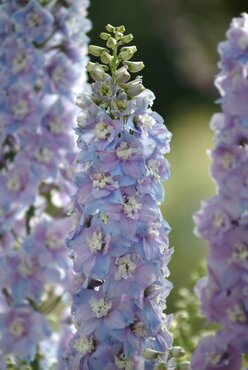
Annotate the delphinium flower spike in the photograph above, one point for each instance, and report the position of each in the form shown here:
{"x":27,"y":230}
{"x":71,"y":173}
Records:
{"x":223,"y":221}
{"x":119,"y":245}
{"x":43,"y":47}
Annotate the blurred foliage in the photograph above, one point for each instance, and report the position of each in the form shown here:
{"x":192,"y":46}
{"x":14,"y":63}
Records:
{"x":189,"y":326}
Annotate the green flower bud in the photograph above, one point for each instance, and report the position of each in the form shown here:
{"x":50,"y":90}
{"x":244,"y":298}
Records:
{"x":110,"y":28}
{"x":134,"y":67}
{"x":160,"y":366}
{"x":104,"y":36}
{"x":134,"y":88}
{"x":177,"y":352}
{"x":106,"y":57}
{"x":121,"y":29}
{"x":96,"y":71}
{"x":122,"y":75}
{"x":185,"y":365}
{"x":96,"y":50}
{"x":151,"y":354}
{"x":128,"y":38}
{"x":111,"y":43}
{"x":127,"y":52}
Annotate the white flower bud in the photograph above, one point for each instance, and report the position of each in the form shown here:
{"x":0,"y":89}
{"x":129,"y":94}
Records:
{"x":104,"y":36}
{"x":134,"y":88}
{"x":95,"y":50}
{"x":121,"y":29}
{"x":177,"y":352}
{"x":111,"y":43}
{"x":127,"y":52}
{"x":122,"y":75}
{"x":96,"y":71}
{"x":134,"y":67}
{"x":110,"y":28}
{"x":151,"y":354}
{"x":128,"y":38}
{"x":106,"y":57}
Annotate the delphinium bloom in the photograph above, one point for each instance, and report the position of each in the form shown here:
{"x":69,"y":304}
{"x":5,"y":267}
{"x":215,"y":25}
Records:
{"x":43,"y":51}
{"x":223,"y":221}
{"x":119,"y":245}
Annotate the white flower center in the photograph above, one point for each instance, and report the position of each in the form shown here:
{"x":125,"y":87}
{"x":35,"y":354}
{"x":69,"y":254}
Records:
{"x":14,"y":183}
{"x":131,"y":207}
{"x":57,"y":74}
{"x":218,"y":220}
{"x":146,"y":121}
{"x":20,"y":109}
{"x":43,"y":155}
{"x":153,"y":168}
{"x":103,"y":130}
{"x":124,"y":363}
{"x":96,"y":242}
{"x":240,"y":253}
{"x":227,"y":161}
{"x":56,"y":126}
{"x":53,"y":242}
{"x":17,"y":328}
{"x":33,"y":20}
{"x":82,"y":118}
{"x":125,"y":266}
{"x":100,"y":307}
{"x":140,"y":329}
{"x":84,"y":345}
{"x":19,"y":62}
{"x":236,"y":314}
{"x":26,"y":267}
{"x":105,"y":89}
{"x":125,"y":152}
{"x":100,"y":181}
{"x":153,"y":230}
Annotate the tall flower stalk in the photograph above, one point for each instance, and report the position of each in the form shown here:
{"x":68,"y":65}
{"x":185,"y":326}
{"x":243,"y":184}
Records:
{"x":119,"y":245}
{"x":222,"y":221}
{"x":43,"y":48}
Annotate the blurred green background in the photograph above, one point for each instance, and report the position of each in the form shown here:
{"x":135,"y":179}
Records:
{"x":177,"y":40}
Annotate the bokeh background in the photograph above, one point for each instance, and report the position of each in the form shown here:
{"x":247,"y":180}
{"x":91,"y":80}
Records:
{"x":177,"y":40}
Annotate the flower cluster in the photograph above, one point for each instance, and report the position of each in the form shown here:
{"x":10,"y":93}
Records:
{"x":119,"y":245}
{"x":223,"y":221}
{"x":43,"y":48}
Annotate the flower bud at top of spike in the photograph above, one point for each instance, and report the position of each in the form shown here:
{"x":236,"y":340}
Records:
{"x":127,"y":38}
{"x":106,"y":57}
{"x":185,"y":365}
{"x":134,"y":67}
{"x":95,"y":50}
{"x":121,"y":29}
{"x":122,"y":75}
{"x":177,"y":352}
{"x":111,"y":43}
{"x":151,"y":354}
{"x":104,"y":36}
{"x":127,"y":52}
{"x":110,"y":28}
{"x":96,"y":71}
{"x":134,"y":88}
{"x":160,"y":366}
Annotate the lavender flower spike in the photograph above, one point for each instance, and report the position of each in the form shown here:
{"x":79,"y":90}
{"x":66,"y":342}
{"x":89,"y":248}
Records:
{"x":43,"y":47}
{"x":223,"y":220}
{"x":120,"y":243}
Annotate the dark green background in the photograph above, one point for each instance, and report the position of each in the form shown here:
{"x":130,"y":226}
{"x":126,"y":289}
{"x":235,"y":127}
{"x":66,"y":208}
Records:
{"x":177,"y":40}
